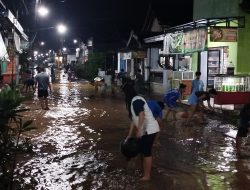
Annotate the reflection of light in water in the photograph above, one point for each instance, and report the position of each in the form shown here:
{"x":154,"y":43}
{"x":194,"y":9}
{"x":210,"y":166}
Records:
{"x":225,"y":156}
{"x":103,"y":113}
{"x":221,"y":157}
{"x":65,"y":165}
{"x":67,"y":114}
{"x":65,"y":173}
{"x":64,"y":154}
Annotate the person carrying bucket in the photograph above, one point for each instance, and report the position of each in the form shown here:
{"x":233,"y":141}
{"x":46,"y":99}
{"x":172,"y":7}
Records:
{"x":146,"y":126}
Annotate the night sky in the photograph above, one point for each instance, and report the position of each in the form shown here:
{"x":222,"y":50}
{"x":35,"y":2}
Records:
{"x":107,"y":21}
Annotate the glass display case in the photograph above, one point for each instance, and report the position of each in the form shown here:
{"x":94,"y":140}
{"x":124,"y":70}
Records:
{"x":235,"y":83}
{"x":213,"y":66}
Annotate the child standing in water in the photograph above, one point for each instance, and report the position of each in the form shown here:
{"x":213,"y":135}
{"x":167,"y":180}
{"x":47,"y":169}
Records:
{"x":197,"y":83}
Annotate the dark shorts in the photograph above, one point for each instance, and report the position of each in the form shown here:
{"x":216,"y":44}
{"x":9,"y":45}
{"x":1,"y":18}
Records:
{"x":146,"y":143}
{"x":43,"y":93}
{"x":242,"y":132}
{"x":30,"y":82}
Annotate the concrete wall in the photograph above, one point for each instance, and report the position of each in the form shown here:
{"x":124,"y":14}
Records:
{"x":243,"y":58}
{"x":215,"y":8}
{"x":153,"y":57}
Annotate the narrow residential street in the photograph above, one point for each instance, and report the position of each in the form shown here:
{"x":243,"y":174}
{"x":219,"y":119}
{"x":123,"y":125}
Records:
{"x":76,"y":146}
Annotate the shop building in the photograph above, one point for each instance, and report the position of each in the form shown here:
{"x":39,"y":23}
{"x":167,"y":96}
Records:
{"x":217,"y":46}
{"x":233,"y":88}
{"x":131,"y":61}
{"x":12,"y":41}
{"x":133,"y":57}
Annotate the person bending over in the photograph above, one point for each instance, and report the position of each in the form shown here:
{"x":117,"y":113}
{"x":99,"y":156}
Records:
{"x":196,"y":102}
{"x":146,"y":126}
{"x":171,"y":99}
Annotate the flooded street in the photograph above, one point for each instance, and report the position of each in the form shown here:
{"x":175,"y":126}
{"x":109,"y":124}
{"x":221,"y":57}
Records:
{"x":76,"y":146}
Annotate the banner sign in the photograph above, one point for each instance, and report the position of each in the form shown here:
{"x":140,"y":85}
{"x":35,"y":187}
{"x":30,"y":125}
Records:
{"x":188,"y":42}
{"x":223,"y":34}
{"x":175,"y":43}
{"x":195,"y":40}
{"x":139,"y":54}
{"x":126,"y":56}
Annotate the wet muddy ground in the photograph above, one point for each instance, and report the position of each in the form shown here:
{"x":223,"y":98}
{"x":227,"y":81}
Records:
{"x":76,"y":146}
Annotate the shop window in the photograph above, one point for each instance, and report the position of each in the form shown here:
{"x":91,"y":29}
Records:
{"x":166,"y":62}
{"x":156,"y":77}
{"x":184,"y":63}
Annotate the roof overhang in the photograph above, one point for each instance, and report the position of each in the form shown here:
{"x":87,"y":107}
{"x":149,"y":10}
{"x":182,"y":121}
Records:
{"x":9,"y":21}
{"x":230,"y":22}
{"x":154,"y":39}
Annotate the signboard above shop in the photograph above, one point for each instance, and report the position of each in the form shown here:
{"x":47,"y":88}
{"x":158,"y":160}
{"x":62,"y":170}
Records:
{"x":185,"y":42}
{"x":195,"y":40}
{"x":223,"y":34}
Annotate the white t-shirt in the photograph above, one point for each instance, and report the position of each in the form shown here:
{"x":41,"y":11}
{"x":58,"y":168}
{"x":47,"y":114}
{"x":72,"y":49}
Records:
{"x":150,"y":124}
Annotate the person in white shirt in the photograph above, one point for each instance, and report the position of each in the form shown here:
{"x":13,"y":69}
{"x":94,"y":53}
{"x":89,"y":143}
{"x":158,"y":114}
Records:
{"x":146,"y":126}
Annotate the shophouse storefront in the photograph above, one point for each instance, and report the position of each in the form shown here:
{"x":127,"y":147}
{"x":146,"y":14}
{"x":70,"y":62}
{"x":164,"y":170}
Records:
{"x":11,"y":43}
{"x":209,"y":46}
{"x":158,"y":66}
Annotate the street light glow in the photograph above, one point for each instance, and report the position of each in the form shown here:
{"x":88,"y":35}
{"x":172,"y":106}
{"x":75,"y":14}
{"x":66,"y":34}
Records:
{"x":75,"y":41}
{"x":64,"y":49}
{"x":61,"y":29}
{"x":42,"y":43}
{"x":43,"y":11}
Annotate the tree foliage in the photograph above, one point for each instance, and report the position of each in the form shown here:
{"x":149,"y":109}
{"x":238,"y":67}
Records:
{"x":89,"y":69}
{"x":11,"y":127}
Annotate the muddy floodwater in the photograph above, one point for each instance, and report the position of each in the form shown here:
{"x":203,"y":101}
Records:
{"x":76,"y":146}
